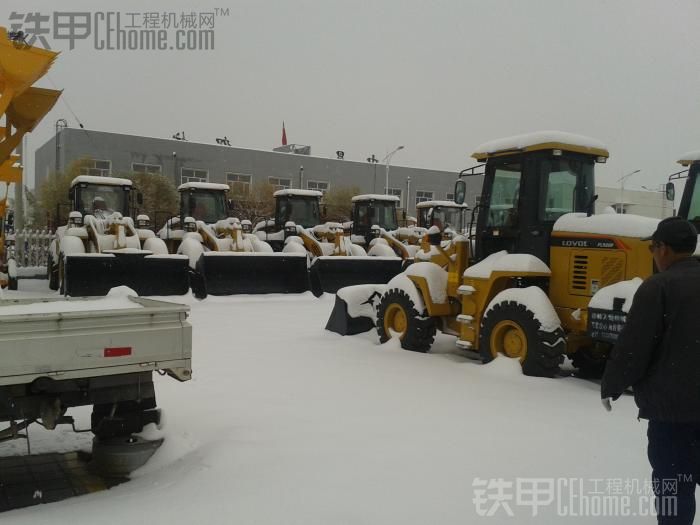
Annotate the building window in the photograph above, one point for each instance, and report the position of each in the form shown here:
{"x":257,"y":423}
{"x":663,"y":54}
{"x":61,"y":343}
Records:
{"x":97,"y":168}
{"x":280,"y":184}
{"x":450,"y":196}
{"x":138,"y":167}
{"x":396,"y":192}
{"x":239,"y":183}
{"x":318,"y":185}
{"x":193,"y":175}
{"x":422,"y":196}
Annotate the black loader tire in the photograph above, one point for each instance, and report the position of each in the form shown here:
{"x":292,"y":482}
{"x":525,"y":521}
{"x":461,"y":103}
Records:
{"x":544,"y":351}
{"x":420,"y":329}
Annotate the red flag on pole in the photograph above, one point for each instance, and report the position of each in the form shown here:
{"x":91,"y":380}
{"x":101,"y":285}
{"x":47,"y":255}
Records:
{"x":284,"y":135}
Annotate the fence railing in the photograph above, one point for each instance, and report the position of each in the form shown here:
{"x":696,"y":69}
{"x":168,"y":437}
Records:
{"x":32,"y":247}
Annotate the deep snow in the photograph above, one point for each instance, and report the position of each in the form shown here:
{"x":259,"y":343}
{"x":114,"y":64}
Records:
{"x":285,"y":422}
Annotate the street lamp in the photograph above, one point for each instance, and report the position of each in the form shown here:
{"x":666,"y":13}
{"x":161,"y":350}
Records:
{"x":622,"y":180}
{"x":388,"y":161}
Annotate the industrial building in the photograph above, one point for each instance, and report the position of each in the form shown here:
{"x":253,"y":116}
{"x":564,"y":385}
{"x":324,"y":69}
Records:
{"x":291,"y":166}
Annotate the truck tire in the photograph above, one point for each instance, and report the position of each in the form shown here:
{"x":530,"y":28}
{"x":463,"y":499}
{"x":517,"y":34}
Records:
{"x":397,"y":316}
{"x":511,"y":329}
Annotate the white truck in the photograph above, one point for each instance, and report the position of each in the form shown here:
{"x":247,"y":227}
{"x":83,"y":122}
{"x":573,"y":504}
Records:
{"x":59,"y":353}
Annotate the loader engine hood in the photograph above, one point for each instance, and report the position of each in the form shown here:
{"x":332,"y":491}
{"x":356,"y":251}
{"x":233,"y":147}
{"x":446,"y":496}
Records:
{"x":616,"y":225}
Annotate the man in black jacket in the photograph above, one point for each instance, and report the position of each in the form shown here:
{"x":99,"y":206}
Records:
{"x":658,"y":355}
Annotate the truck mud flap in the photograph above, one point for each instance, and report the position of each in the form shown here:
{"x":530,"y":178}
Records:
{"x":94,"y":275}
{"x":329,"y":274}
{"x":221,"y":273}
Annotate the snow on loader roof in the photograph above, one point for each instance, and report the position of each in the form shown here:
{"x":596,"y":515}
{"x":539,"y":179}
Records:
{"x":375,"y":197}
{"x":105,"y":181}
{"x":623,"y":225}
{"x":434,"y":204}
{"x":688,"y":158}
{"x":299,"y":193}
{"x":202,"y":186}
{"x":541,"y":140}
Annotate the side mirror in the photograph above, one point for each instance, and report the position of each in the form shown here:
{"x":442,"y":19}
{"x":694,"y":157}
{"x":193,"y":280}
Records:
{"x":460,"y":191}
{"x":325,"y":211}
{"x":229,"y":203}
{"x":404,"y":214}
{"x":139,"y":198}
{"x":670,"y":191}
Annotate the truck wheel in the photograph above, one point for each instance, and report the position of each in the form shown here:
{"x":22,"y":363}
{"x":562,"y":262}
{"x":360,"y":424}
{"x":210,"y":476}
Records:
{"x":511,"y":329}
{"x":397,"y":316}
{"x":52,"y":271}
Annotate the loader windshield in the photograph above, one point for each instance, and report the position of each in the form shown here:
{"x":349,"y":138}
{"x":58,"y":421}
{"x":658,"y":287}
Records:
{"x":303,"y":211}
{"x":379,"y":213}
{"x":444,"y":217}
{"x":566,"y":186}
{"x":102,"y":200}
{"x":207,"y":206}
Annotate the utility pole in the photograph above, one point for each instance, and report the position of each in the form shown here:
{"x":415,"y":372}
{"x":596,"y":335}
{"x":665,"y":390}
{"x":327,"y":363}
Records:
{"x":622,"y":180}
{"x":388,"y":162}
{"x":408,"y":193}
{"x":61,"y":124}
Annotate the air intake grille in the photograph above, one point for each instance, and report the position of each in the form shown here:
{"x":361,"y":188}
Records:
{"x":579,"y":274}
{"x":613,"y":270}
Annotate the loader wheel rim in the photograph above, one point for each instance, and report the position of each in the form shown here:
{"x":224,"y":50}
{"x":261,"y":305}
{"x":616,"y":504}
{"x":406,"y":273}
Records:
{"x":395,"y":321}
{"x":508,"y":338}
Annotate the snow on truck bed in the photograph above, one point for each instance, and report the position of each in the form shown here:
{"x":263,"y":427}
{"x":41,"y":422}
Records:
{"x":9,"y":307}
{"x":286,"y":423}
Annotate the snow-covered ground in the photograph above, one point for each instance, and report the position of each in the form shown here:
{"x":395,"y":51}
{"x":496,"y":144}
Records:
{"x":286,"y":423}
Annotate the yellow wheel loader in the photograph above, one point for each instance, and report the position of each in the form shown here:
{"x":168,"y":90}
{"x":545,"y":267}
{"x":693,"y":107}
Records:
{"x":22,"y":107}
{"x":335,"y":262}
{"x":101,"y":247}
{"x":224,"y":255}
{"x":539,"y":256}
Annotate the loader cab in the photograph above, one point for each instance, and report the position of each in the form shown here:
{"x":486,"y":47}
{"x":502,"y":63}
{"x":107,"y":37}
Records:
{"x":690,"y":201}
{"x":301,"y":207}
{"x":373,"y":210}
{"x":530,"y":181}
{"x":443,"y":214}
{"x":100,"y":196}
{"x":204,"y":201}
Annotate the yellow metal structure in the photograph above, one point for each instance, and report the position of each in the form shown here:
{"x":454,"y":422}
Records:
{"x":21,"y":108}
{"x":576,"y":275}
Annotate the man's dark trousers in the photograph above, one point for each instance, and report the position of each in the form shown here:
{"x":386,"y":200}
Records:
{"x":674,"y":454}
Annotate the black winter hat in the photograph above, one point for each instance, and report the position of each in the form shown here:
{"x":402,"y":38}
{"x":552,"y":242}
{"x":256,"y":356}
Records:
{"x":677,"y":233}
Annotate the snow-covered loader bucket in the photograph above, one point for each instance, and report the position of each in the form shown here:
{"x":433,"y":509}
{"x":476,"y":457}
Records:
{"x":354,"y":311}
{"x":96,"y":274}
{"x":230,"y":273}
{"x":331,"y":273}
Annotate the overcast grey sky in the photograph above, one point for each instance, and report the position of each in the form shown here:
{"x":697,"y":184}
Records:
{"x":438,"y":77}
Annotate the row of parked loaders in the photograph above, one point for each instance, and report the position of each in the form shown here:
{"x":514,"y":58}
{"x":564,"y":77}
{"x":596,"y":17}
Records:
{"x":207,"y":250}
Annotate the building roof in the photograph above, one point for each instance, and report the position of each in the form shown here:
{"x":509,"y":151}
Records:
{"x":540,"y":140}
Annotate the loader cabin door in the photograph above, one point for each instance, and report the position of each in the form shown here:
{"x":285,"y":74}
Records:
{"x":690,"y":202}
{"x":524,"y":196}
